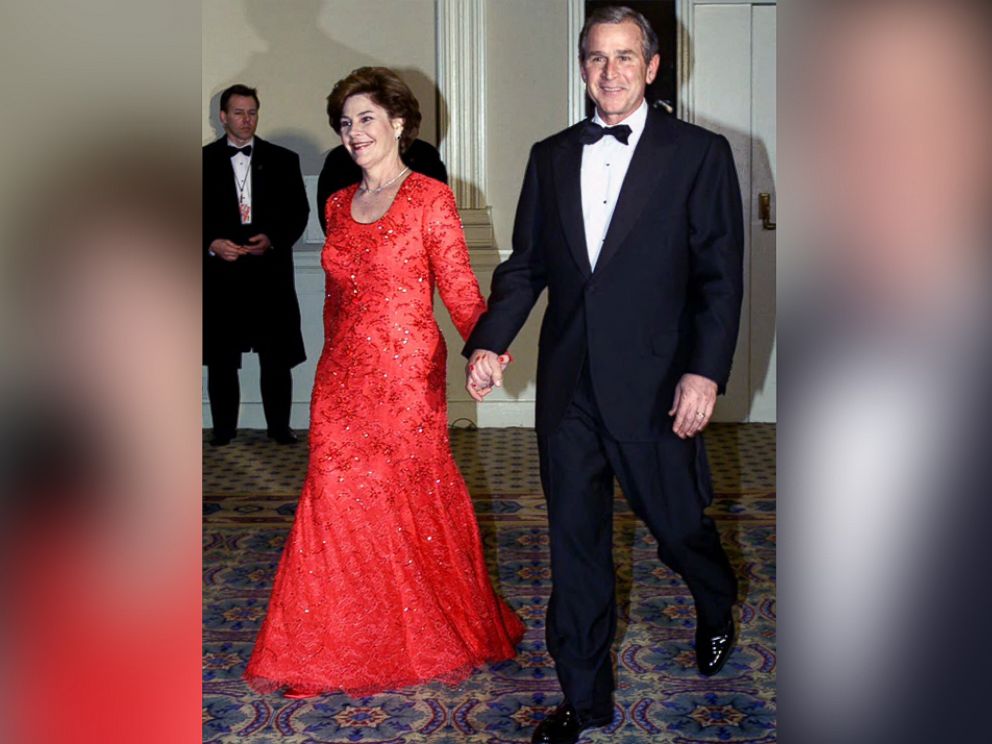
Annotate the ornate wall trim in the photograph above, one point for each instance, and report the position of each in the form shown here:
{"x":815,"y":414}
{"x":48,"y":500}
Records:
{"x":461,"y":74}
{"x":576,"y":88}
{"x":685,"y":17}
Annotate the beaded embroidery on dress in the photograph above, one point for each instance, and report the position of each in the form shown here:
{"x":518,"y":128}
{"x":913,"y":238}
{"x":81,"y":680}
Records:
{"x":383,"y":582}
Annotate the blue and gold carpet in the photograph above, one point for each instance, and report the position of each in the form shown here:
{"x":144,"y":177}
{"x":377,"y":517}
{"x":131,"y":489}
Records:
{"x":250,"y":492}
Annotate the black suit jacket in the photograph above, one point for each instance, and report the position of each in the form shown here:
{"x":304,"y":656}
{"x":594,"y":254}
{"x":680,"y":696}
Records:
{"x":251,"y":302}
{"x":340,"y":171}
{"x":666,"y":294}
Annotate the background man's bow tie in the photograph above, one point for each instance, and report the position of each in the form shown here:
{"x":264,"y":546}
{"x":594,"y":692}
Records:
{"x":232,"y":150}
{"x":592,"y":132}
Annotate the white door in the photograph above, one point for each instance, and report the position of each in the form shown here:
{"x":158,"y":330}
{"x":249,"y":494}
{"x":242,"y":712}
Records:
{"x":728,"y":85}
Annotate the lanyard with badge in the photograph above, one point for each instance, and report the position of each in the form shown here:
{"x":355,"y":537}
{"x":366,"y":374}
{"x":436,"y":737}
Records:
{"x":244,"y":206}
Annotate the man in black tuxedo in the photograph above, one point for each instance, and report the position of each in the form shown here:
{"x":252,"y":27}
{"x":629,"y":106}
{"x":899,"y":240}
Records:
{"x":254,"y":209}
{"x":340,"y":171}
{"x":633,"y":222}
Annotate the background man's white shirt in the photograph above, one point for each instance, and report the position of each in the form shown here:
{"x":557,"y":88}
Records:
{"x":241,"y":164}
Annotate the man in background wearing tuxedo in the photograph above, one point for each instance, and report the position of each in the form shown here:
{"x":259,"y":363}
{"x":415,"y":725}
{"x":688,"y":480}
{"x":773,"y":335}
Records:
{"x":633,"y":222}
{"x":254,"y":209}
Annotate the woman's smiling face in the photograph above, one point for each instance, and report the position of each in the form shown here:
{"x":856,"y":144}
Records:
{"x":367,"y":132}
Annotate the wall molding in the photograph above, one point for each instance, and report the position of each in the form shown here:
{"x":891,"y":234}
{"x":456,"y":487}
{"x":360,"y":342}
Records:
{"x":685,"y":18}
{"x":461,"y":75}
{"x":576,"y":88}
{"x":493,"y":413}
{"x":488,"y":414}
{"x":307,"y":260}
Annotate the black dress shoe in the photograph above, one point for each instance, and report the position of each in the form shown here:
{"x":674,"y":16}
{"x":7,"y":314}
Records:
{"x":713,"y":648}
{"x":564,"y":727}
{"x":219,"y":440}
{"x":283,"y":437}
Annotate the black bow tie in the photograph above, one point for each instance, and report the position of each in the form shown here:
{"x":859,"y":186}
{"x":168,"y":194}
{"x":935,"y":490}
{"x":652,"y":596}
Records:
{"x":232,"y":150}
{"x":592,"y":132}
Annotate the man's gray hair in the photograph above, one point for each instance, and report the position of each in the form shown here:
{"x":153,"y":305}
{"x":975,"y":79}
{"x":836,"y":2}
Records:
{"x":620,"y":14}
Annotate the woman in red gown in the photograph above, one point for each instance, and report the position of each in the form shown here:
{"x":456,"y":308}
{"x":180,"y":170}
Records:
{"x":383,"y":582}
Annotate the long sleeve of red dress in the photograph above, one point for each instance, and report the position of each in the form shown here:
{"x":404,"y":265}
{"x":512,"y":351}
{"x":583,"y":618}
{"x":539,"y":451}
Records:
{"x":450,"y":262}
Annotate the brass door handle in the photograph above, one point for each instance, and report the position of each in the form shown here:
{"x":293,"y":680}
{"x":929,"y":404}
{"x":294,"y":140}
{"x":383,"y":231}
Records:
{"x":765,"y":211}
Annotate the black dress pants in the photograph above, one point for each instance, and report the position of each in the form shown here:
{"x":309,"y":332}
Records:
{"x":661,"y":481}
{"x":223,"y":389}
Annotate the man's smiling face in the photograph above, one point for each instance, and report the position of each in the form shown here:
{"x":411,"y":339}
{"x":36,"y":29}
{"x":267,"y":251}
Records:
{"x":615,"y":71}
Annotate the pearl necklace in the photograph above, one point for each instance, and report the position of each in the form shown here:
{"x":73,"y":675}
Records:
{"x":367,"y":190}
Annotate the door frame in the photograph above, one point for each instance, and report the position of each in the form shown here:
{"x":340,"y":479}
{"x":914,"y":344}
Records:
{"x":685,"y":14}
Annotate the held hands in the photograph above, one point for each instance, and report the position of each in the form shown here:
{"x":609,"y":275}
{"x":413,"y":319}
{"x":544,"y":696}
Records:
{"x":229,"y":251}
{"x":484,"y":372}
{"x":695,"y":398}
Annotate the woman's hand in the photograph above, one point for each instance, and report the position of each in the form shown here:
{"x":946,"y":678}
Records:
{"x":484,"y":372}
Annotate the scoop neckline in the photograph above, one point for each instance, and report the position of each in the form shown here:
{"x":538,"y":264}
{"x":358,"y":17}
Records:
{"x":389,"y":209}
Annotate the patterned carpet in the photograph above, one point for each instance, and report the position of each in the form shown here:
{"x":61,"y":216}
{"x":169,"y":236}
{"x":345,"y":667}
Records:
{"x":250,"y":490}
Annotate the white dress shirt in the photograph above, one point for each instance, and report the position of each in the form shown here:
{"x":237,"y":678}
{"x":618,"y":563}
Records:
{"x":241,"y":164}
{"x":604,"y":165}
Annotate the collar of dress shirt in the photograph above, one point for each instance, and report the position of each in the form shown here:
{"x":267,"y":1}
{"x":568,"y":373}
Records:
{"x":635,"y":120}
{"x":249,"y":143}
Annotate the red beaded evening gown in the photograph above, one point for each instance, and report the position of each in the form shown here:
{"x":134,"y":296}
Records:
{"x":383,"y":582}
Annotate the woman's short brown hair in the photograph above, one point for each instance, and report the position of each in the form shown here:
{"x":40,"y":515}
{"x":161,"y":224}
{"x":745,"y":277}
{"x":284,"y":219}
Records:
{"x":386,"y":89}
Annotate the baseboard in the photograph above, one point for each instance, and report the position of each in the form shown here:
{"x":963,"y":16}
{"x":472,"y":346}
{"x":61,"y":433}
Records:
{"x":483,"y":415}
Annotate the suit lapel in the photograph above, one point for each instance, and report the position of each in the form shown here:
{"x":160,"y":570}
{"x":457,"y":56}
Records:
{"x":568,"y":188}
{"x":258,"y":165}
{"x":647,"y":166}
{"x":222,"y":173}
